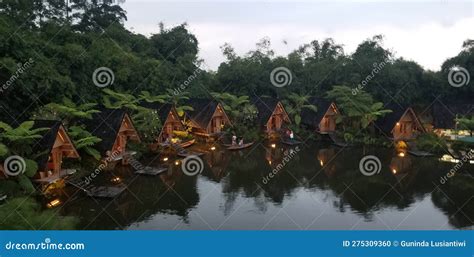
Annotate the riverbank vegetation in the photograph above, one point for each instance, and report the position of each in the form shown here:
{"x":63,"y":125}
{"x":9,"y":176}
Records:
{"x":51,"y":49}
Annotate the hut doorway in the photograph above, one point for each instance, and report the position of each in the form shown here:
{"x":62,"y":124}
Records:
{"x":216,"y":125}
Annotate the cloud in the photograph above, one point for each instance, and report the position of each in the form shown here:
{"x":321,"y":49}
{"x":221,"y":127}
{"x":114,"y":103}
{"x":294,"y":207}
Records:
{"x":425,"y":33}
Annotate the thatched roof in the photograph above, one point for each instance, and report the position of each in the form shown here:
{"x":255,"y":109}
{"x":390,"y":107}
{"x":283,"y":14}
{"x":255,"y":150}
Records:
{"x":265,"y":107}
{"x":46,"y":143}
{"x":311,"y":118}
{"x":203,"y":110}
{"x":106,"y":126}
{"x":386,"y":123}
{"x":163,"y":110}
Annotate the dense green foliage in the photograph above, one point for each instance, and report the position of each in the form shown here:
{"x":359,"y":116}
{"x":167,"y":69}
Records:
{"x":26,"y":214}
{"x":59,"y":45}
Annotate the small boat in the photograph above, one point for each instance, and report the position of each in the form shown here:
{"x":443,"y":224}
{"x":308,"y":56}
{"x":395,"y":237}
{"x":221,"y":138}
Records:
{"x":238,"y":147}
{"x":288,"y":141}
{"x":179,"y":145}
{"x":187,"y":143}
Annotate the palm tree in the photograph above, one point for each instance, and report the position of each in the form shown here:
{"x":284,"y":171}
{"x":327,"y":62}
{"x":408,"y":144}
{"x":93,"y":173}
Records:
{"x":242,"y":113}
{"x":235,"y":106}
{"x":359,"y":108}
{"x":295,"y":105}
{"x":69,"y":113}
{"x":21,"y":138}
{"x":19,"y":141}
{"x":66,"y":111}
{"x":177,"y":100}
{"x":146,"y":120}
{"x":84,"y":141}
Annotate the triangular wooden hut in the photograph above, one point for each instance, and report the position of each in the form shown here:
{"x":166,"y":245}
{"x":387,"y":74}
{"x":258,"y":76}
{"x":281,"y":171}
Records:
{"x":208,"y":117}
{"x":54,"y":146}
{"x":272,"y":116}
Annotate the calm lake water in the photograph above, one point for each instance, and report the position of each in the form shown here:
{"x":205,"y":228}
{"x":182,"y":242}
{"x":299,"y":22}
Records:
{"x":321,"y":187}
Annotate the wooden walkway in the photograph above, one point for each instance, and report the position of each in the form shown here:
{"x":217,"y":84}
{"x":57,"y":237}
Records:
{"x":96,"y":191}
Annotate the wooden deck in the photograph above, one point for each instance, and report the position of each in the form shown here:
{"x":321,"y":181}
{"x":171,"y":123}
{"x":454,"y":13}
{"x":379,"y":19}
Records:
{"x":418,"y":153}
{"x":96,"y":191}
{"x":51,"y":179}
{"x":151,"y":171}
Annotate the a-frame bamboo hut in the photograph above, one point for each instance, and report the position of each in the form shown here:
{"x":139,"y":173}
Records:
{"x":324,"y":120}
{"x":401,"y":124}
{"x":115,"y":128}
{"x":208,"y":118}
{"x":169,"y":119}
{"x":54,"y":146}
{"x":272,"y":116}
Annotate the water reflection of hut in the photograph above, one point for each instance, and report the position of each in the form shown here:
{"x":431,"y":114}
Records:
{"x":401,"y":166}
{"x":115,"y":128}
{"x":401,"y":124}
{"x":54,"y":145}
{"x":325,"y":158}
{"x":217,"y":160}
{"x":208,"y":117}
{"x":272,"y":116}
{"x":274,"y":155}
{"x":324,"y":119}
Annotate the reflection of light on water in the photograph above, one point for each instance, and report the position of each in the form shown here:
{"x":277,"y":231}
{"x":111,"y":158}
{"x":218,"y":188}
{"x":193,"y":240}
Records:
{"x":54,"y":203}
{"x":448,"y":158}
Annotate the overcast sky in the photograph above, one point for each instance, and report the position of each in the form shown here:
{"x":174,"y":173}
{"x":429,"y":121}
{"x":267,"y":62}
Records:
{"x":427,"y":32}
